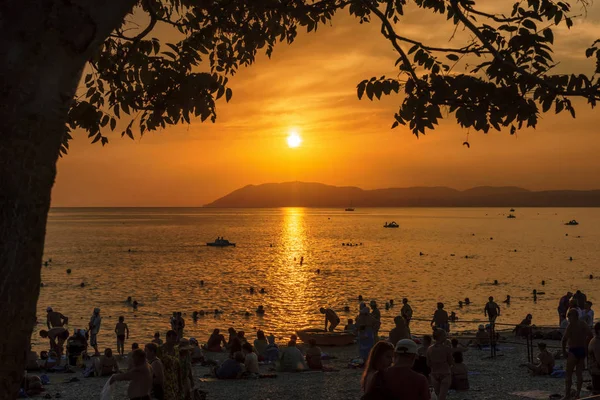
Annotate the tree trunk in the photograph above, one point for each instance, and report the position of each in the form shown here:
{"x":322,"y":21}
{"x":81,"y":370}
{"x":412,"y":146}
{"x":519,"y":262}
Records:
{"x":44,"y":45}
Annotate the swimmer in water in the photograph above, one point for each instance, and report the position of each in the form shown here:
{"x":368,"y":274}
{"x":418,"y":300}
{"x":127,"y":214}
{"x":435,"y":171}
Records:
{"x":260,"y":310}
{"x":360,"y":298}
{"x":467,"y":301}
{"x":453,"y":317}
{"x":507,"y":301}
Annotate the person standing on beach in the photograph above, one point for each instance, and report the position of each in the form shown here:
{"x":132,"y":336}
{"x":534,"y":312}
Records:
{"x":491,"y":310}
{"x":54,"y":319}
{"x":94,"y":327}
{"x":158,"y":374}
{"x":406,"y":312}
{"x":331,"y":317}
{"x":179,"y":325}
{"x":122,"y":331}
{"x":375,"y":313}
{"x":588,"y":314}
{"x":563,"y":307}
{"x":440,"y":360}
{"x":581,"y":298}
{"x":140,"y":377}
{"x":594,"y":359}
{"x":440,"y":318}
{"x":400,"y":331}
{"x":576,"y":337}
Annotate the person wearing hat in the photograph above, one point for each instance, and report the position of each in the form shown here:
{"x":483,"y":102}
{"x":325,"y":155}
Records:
{"x":94,"y":327}
{"x":399,"y":380}
{"x":54,"y":319}
{"x":331,"y":317}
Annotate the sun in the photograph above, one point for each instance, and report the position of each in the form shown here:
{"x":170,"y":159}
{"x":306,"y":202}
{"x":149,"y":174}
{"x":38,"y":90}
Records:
{"x":294,"y":140}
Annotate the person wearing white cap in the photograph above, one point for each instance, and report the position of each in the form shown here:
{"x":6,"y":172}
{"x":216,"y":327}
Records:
{"x":55,"y":319}
{"x":94,"y":326}
{"x":400,"y":381}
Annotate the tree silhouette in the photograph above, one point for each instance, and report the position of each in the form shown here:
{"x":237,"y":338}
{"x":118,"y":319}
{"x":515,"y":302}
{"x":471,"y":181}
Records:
{"x":45,"y":45}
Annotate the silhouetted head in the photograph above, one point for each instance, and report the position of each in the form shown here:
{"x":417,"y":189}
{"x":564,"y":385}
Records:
{"x":490,"y":298}
{"x":134,"y":346}
{"x":542,"y":346}
{"x":573,"y":315}
{"x":312,"y":342}
{"x":231,"y":331}
{"x":151,"y":349}
{"x":108,"y":352}
{"x":247,"y":348}
{"x":171,"y":337}
{"x":440,"y":306}
{"x":157,"y":335}
{"x":121,"y":319}
{"x":322,"y":310}
{"x":260,"y":335}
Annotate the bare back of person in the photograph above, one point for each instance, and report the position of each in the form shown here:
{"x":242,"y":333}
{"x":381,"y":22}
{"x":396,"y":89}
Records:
{"x":56,"y":319}
{"x":440,"y":358}
{"x":141,"y":382}
{"x":577,"y":334}
{"x":120,"y":328}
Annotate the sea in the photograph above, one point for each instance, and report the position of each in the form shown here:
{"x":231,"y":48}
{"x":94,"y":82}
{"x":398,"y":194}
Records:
{"x":159,"y":257}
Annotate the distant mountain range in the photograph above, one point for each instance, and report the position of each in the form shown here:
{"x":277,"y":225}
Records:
{"x":305,"y":194}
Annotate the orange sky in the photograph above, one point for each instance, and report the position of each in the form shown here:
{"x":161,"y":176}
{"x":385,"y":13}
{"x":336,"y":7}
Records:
{"x":311,"y":86}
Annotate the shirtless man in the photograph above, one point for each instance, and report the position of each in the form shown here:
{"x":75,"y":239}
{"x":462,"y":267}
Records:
{"x":440,"y":360}
{"x":57,"y":337}
{"x":577,"y":336}
{"x":94,"y":327}
{"x":491,"y":310}
{"x":158,"y":374}
{"x":140,"y":377}
{"x":122,"y":331}
{"x":545,"y":364}
{"x":55,"y":319}
{"x":331,"y":317}
{"x":406,"y":311}
{"x":107,"y":364}
{"x":440,"y":318}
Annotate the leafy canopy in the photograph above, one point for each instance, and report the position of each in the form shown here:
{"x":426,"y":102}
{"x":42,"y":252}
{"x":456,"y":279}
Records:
{"x":509,"y":83}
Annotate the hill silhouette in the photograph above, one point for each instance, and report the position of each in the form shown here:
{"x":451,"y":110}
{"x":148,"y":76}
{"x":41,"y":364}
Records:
{"x":308,"y":194}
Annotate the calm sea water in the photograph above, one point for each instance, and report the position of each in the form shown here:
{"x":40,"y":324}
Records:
{"x":169,"y":257}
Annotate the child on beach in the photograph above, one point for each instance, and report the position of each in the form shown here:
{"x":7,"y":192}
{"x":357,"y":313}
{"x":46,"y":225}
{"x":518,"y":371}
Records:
{"x":122,"y":331}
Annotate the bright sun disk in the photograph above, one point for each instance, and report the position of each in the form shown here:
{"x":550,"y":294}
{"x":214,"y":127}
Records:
{"x":294,"y":140}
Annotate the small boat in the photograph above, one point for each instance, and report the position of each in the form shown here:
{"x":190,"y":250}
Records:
{"x":349,"y":209}
{"x":221,"y":243}
{"x":512,"y":210}
{"x":572,"y":222}
{"x":392,"y":224}
{"x":324,"y":338}
{"x":511,"y":216}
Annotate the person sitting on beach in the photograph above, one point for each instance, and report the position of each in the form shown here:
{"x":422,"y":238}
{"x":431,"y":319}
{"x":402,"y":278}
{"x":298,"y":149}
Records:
{"x":313,"y":355}
{"x":134,"y":347}
{"x":460,"y":374}
{"x":439,"y":359}
{"x":158,"y":371}
{"x":576,"y":337}
{"x":214,"y":342}
{"x":232,"y":335}
{"x":272,"y":350}
{"x":331,"y":318}
{"x":196,"y":352}
{"x":260,"y":344}
{"x":440,"y":318}
{"x":420,"y":364}
{"x":157,"y":340}
{"x":491,"y":310}
{"x":350,"y":327}
{"x":291,"y":360}
{"x":121,"y":329}
{"x":185,"y":362}
{"x":250,"y":359}
{"x":293,"y":340}
{"x":107,"y":364}
{"x":54,"y":319}
{"x":232,"y":368}
{"x":524,"y":329}
{"x":399,"y":381}
{"x":482,"y":337}
{"x":32,"y":385}
{"x":457,"y":347}
{"x":545,"y":362}
{"x":406,"y":312}
{"x":594,"y":359}
{"x":238,"y":341}
{"x":587,"y":315}
{"x":52,"y":360}
{"x":140,"y":377}
{"x":400,"y":331}
{"x":380,"y":358}
{"x":57,"y":337}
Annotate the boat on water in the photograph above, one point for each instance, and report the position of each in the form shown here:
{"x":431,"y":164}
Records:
{"x":512,"y":210}
{"x":220,"y":242}
{"x":511,"y":216}
{"x":392,"y":224}
{"x":325,"y":338}
{"x":349,"y":209}
{"x":572,"y":222}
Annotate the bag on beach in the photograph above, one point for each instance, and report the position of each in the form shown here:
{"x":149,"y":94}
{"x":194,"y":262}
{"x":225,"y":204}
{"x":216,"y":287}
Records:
{"x":107,"y":391}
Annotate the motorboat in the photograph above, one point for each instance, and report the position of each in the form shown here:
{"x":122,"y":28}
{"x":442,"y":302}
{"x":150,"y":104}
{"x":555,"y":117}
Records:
{"x":325,"y":338}
{"x":572,"y":222}
{"x":219,"y":242}
{"x":392,"y":224}
{"x":512,"y":210}
{"x":511,"y":216}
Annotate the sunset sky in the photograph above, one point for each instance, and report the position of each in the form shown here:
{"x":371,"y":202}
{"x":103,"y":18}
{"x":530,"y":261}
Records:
{"x":310,"y":87}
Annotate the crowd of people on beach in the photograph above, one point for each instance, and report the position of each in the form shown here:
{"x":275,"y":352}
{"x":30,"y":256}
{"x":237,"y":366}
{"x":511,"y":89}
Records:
{"x":399,"y":366}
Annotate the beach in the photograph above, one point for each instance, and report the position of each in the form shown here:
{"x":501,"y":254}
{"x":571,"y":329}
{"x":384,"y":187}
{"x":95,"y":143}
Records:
{"x":489,"y":379}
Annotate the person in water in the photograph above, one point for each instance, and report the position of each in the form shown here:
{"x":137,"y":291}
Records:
{"x":331,"y":318}
{"x":350,"y":327}
{"x":122,"y":332}
{"x":140,"y":377}
{"x":576,"y":338}
{"x":491,"y":310}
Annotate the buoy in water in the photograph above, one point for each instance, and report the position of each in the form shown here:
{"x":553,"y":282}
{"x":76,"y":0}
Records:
{"x":360,"y":298}
{"x":591,"y":276}
{"x":543,"y":283}
{"x":346,"y":308}
{"x":262,"y":290}
{"x":495,"y":281}
{"x":318,"y":271}
{"x":202,"y":283}
{"x":69,"y":271}
{"x":82,"y":284}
